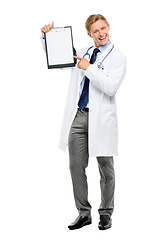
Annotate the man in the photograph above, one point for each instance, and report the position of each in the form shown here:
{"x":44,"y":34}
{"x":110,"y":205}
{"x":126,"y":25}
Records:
{"x":90,"y":119}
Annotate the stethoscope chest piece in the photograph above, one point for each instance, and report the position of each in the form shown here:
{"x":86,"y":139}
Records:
{"x":100,"y":65}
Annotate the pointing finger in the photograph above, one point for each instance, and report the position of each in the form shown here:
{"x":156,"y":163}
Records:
{"x":79,"y":58}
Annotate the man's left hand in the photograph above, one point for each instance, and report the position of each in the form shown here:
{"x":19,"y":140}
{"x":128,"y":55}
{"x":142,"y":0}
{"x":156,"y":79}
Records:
{"x":83,"y":63}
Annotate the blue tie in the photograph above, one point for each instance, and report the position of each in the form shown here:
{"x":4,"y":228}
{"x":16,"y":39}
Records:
{"x":84,"y":98}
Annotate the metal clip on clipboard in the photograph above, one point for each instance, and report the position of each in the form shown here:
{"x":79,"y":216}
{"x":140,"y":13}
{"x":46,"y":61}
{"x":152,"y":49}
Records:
{"x":58,"y":29}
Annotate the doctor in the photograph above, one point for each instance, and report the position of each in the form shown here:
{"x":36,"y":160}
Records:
{"x":90,"y":119}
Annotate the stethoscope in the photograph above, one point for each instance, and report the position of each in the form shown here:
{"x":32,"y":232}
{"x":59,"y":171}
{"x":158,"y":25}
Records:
{"x":99,"y":64}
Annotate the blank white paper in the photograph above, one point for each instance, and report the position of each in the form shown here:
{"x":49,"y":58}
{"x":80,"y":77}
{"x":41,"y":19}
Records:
{"x":59,"y":46}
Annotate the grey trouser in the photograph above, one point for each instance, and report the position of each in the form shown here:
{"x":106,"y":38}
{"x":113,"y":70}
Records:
{"x":78,"y":154}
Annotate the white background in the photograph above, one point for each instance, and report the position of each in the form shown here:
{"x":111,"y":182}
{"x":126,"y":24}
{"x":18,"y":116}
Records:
{"x":36,"y":200}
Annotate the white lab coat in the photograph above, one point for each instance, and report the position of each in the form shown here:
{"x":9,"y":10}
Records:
{"x":103,"y":126}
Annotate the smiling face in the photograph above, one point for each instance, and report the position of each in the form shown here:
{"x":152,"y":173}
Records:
{"x":99,"y":31}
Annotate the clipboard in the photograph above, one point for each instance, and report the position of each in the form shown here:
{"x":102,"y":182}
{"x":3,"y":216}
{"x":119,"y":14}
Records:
{"x":59,"y":48}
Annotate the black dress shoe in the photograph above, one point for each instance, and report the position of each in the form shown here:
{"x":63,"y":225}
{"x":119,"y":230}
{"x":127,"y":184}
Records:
{"x":105,"y":222}
{"x":80,"y":222}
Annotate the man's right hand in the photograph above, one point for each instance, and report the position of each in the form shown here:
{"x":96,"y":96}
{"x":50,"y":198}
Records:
{"x":47,"y":28}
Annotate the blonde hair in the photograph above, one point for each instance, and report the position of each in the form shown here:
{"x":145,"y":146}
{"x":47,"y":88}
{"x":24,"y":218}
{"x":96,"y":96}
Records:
{"x":92,"y":19}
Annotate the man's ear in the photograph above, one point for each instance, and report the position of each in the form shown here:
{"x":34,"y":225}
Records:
{"x":89,"y":35}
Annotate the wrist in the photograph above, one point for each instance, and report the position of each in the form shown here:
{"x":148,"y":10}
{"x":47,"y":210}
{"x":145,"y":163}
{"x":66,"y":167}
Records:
{"x":87,"y":66}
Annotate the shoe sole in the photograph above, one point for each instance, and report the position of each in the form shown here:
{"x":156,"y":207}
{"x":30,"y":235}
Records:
{"x":104,"y":227}
{"x":85,"y":224}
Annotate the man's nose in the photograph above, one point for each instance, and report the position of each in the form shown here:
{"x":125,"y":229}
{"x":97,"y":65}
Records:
{"x":100,"y":32}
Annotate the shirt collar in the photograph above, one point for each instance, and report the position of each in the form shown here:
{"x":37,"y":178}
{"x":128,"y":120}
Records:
{"x":104,"y":47}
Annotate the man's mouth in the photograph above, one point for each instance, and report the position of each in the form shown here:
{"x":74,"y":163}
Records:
{"x":102,"y":38}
